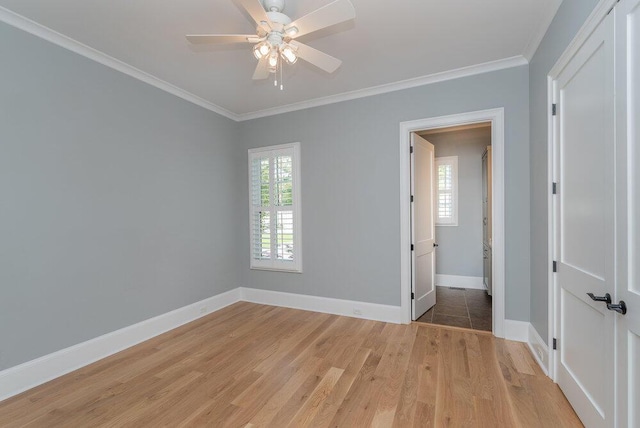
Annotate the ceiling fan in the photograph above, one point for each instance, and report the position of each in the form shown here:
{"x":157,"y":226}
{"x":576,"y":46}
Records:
{"x":275,"y":35}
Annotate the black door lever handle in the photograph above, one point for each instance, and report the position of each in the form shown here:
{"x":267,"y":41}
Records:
{"x":606,"y":298}
{"x":620,"y":308}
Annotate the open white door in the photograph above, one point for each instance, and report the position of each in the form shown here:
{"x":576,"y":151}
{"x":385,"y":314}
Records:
{"x":627,"y":16}
{"x":423,"y":227}
{"x":584,"y":223}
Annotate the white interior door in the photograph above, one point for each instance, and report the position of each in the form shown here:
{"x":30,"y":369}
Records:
{"x":423,"y":226}
{"x":627,"y":17}
{"x":584,"y":222}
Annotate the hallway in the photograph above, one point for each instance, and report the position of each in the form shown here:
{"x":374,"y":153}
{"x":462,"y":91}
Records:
{"x":458,"y":307}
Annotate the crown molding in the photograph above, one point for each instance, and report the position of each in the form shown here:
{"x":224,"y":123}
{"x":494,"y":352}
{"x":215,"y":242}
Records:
{"x":536,"y":38}
{"x":39,"y":30}
{"x":486,"y":67}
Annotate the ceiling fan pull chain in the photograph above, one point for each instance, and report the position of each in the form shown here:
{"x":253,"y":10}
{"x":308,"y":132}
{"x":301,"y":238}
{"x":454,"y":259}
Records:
{"x":281,"y":79}
{"x":275,"y":75}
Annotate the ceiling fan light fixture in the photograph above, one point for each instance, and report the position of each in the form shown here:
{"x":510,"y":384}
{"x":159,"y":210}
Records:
{"x":289,"y":54}
{"x":273,"y":59}
{"x":265,"y":48}
{"x":257,"y":53}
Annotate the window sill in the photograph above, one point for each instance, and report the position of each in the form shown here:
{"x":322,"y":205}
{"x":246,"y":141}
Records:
{"x":276,"y":269}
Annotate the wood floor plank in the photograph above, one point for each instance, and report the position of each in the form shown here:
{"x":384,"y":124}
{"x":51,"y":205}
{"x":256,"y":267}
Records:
{"x":408,"y":399}
{"x":359,"y":398}
{"x":398,"y":357}
{"x":336,"y":398}
{"x":260,"y":366}
{"x":311,"y":406}
{"x":266,"y":414}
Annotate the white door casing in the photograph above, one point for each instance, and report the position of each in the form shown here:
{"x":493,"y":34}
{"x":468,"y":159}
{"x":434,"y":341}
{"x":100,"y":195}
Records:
{"x":627,"y":66}
{"x":496,"y":117}
{"x":423,"y":225}
{"x":584,"y":227}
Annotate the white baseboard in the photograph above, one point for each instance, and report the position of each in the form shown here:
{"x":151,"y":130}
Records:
{"x":474,"y":282}
{"x":349,"y":308}
{"x":36,"y":372}
{"x":516,"y":330}
{"x":539,"y":349}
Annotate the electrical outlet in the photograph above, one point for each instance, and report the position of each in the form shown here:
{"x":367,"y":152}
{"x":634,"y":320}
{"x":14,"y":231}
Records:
{"x":539,"y":351}
{"x":357,"y":312}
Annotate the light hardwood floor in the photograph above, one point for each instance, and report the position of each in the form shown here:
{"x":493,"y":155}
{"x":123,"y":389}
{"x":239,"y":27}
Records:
{"x":253,"y":365}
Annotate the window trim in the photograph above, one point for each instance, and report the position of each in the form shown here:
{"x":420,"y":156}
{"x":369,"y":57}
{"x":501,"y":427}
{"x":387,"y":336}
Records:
{"x":453,"y":161}
{"x":273,"y":264}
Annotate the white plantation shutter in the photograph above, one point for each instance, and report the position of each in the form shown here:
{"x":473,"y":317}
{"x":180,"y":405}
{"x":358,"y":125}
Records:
{"x":447,"y":194}
{"x":274,"y":180}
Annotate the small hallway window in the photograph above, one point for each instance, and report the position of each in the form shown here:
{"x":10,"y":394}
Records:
{"x":447,"y":191}
{"x":274,"y":191}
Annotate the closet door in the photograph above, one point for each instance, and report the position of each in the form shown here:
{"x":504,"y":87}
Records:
{"x":627,"y":17}
{"x":585,"y":217}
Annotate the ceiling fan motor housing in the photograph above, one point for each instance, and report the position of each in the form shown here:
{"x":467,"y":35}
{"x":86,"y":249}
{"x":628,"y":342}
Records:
{"x":279,"y":19}
{"x":275,"y":39}
{"x":274,"y":5}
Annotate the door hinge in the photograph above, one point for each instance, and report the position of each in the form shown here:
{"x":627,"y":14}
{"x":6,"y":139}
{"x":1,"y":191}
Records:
{"x":411,"y":149}
{"x":554,"y":108}
{"x":554,"y":188}
{"x":411,"y":247}
{"x":555,"y":343}
{"x":411,"y":198}
{"x":413,"y":296}
{"x":555,"y":266}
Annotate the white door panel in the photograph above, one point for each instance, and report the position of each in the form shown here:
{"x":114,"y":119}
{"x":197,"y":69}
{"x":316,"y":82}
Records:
{"x":627,"y":17}
{"x":423,"y":226}
{"x":585,"y":218}
{"x":585,"y":199}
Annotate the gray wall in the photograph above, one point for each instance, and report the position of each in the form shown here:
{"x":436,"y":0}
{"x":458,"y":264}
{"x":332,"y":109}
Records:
{"x":350,"y":187}
{"x":568,"y":20}
{"x":460,"y":247}
{"x":116,"y":200}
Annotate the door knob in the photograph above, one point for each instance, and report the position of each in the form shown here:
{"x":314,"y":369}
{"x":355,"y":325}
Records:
{"x":606,"y":298}
{"x":620,"y":308}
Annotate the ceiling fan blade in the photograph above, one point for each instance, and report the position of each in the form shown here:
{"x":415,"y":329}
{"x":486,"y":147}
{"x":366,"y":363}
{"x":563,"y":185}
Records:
{"x":222,"y":38}
{"x":262,"y":69}
{"x":255,"y":9}
{"x":315,"y":57}
{"x":331,"y":14}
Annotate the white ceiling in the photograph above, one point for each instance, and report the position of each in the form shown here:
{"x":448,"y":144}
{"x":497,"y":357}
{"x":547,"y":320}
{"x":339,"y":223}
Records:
{"x":389,"y":41}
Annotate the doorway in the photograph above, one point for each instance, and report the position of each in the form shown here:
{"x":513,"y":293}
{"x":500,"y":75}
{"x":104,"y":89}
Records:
{"x":496,"y":118}
{"x":462,"y":211}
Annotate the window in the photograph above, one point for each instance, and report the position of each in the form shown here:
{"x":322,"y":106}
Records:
{"x":274,"y":189}
{"x":447,"y":195}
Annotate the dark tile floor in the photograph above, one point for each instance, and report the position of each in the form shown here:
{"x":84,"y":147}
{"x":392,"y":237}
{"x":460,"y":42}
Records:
{"x":459,"y":307}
